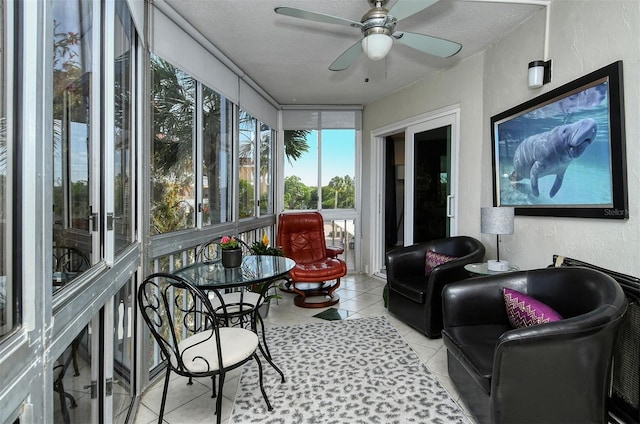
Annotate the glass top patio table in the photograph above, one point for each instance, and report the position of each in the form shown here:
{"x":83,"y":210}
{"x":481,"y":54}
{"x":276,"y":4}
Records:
{"x":254,"y":269}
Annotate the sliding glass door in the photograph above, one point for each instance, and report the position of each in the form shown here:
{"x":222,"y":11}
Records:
{"x":428,"y":181}
{"x":417,"y":190}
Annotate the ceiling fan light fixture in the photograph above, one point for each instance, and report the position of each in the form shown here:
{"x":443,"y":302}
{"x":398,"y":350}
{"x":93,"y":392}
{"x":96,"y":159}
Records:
{"x":377,"y":46}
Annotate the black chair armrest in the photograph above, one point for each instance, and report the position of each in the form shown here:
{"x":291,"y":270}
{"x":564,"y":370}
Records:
{"x":452,"y":271}
{"x":555,"y":332}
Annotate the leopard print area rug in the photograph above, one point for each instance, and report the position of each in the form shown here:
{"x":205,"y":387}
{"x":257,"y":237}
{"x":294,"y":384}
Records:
{"x":350,"y":371}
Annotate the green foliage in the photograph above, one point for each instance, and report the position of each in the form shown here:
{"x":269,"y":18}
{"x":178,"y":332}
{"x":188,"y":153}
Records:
{"x":259,"y":248}
{"x":229,"y":242}
{"x":171,"y":212}
{"x":246,"y":193}
{"x":173,"y":99}
{"x":338,"y":194}
{"x":295,"y":144}
{"x":296,"y":194}
{"x":262,"y":248}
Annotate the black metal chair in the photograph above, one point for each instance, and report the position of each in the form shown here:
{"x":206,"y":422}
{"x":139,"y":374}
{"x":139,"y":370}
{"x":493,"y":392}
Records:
{"x":71,"y":260}
{"x":239,"y":304}
{"x":68,"y":263}
{"x":60,"y":371}
{"x":242,"y":306}
{"x":168,"y":304}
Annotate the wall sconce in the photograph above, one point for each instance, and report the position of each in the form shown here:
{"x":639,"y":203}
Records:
{"x":539,"y":73}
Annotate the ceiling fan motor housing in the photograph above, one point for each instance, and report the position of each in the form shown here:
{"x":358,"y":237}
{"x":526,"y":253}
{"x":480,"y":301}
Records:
{"x":378,"y":21}
{"x":376,"y":3}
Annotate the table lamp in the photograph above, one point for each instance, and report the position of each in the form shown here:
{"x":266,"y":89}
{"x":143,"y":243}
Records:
{"x":497,"y":220}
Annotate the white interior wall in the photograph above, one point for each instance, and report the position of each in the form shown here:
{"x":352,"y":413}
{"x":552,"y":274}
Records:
{"x":460,"y":85}
{"x":584,"y":35}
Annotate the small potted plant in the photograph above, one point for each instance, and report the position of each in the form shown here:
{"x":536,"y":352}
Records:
{"x":231,"y":252}
{"x":262,"y":248}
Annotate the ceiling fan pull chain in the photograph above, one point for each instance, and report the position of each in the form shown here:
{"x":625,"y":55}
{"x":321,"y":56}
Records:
{"x":386,"y":64}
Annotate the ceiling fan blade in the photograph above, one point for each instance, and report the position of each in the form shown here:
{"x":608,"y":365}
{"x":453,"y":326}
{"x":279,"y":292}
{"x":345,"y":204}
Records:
{"x":425,"y":43}
{"x":347,"y":58}
{"x":314,"y":16}
{"x":405,"y":8}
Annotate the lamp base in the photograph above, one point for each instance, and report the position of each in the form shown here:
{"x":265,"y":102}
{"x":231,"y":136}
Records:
{"x":493,"y":265}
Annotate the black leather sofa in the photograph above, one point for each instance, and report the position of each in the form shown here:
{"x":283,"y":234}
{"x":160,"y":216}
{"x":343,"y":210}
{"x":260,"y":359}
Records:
{"x":415,"y":298}
{"x":556,"y":372}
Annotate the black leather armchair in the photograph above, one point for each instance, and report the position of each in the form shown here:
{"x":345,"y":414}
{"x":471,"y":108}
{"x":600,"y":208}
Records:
{"x":415,"y":298}
{"x":556,"y":372}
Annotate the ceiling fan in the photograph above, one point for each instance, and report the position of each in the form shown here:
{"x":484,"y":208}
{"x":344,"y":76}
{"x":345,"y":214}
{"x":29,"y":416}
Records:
{"x":378,"y":31}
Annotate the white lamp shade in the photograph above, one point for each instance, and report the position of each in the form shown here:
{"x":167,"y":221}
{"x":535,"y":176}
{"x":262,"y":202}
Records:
{"x":496,"y":220}
{"x":377,"y":46}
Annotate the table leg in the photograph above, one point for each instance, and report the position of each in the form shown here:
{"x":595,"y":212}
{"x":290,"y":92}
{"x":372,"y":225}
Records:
{"x":264,"y":348}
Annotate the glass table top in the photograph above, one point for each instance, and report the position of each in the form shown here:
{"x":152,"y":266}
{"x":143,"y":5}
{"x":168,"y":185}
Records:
{"x":483,"y":269}
{"x":254,"y":269}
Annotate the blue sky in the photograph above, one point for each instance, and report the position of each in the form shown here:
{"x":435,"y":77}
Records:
{"x":338,"y":157}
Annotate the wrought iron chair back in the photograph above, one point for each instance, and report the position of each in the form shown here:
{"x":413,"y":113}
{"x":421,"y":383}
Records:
{"x":71,"y":259}
{"x":188,"y":331}
{"x":174,"y":309}
{"x":241,"y":308}
{"x":211,"y":250}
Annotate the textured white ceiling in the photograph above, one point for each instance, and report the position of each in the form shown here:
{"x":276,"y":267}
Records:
{"x":289,"y":58}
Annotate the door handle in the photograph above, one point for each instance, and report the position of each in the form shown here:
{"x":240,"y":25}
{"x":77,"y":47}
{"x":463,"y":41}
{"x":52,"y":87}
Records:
{"x":93,"y":222}
{"x":449,"y":206}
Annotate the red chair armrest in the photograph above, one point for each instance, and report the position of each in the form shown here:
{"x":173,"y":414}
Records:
{"x":333,"y":252}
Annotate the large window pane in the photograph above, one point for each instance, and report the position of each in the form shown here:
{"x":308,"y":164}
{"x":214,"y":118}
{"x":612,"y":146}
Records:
{"x":248,"y":135}
{"x":217,"y":160}
{"x":304,"y":151}
{"x":338,"y":169}
{"x":123,"y":128}
{"x":172,"y":171}
{"x":301,"y":169}
{"x":266,"y":169}
{"x":342,"y":233}
{"x":72,"y":88}
{"x":6,"y":282}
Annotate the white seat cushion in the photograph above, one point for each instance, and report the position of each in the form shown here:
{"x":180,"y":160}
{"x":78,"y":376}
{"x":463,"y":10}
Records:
{"x":200,"y":352}
{"x":232,"y":301}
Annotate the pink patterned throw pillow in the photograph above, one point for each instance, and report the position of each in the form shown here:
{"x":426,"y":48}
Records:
{"x":525,"y":311}
{"x":433,"y":259}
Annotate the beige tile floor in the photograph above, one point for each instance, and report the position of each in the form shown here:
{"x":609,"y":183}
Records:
{"x":360,"y":295}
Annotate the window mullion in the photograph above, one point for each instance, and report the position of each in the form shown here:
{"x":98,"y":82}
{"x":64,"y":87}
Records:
{"x":256,"y":154}
{"x":198,"y":153}
{"x":319,"y":188}
{"x":108,"y":128}
{"x":96,"y":145}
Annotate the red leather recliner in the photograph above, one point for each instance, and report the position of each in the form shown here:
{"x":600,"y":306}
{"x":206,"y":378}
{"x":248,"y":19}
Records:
{"x":301,"y":238}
